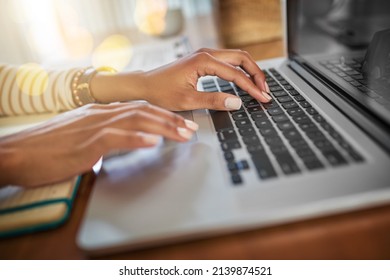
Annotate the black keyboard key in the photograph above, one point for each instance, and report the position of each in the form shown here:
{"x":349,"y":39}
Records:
{"x":319,"y":118}
{"x":221,"y":120}
{"x":284,"y":99}
{"x":241,"y":92}
{"x":312,"y":163}
{"x":263,"y":123}
{"x":288,"y":87}
{"x":280,"y":118}
{"x":229,"y":156}
{"x":305,"y":104}
{"x":293,"y":92}
{"x":272,"y":83}
{"x":315,"y":134}
{"x":263,"y":165}
{"x":268,"y":131}
{"x":255,"y":109}
{"x":227,"y":135}
{"x":287,"y":163}
{"x":275,"y":88}
{"x":270,"y":105}
{"x":259,"y":115}
{"x":232,"y":166}
{"x":279,"y":93}
{"x":295,"y":112}
{"x":284,"y":82}
{"x":323,"y":145}
{"x":289,"y":105}
{"x":243,"y":122}
{"x":273,"y":140}
{"x":232,"y":145}
{"x":278,"y":149}
{"x":239,"y":116}
{"x":299,"y":98}
{"x":304,"y":152}
{"x":236,"y":178}
{"x":247,"y":98}
{"x":297,"y":143}
{"x":247,"y":131}
{"x":334,"y":157}
{"x":311,"y":111}
{"x":251,"y":104}
{"x":275,"y":111}
{"x":301,"y":118}
{"x":292,"y":134}
{"x":308,"y":126}
{"x":254,"y":148}
{"x":286,"y":125}
{"x":252,"y":139}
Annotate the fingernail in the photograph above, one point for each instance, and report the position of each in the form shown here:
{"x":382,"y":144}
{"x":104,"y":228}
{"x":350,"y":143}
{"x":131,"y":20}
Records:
{"x":150,"y":139}
{"x":232,"y":103}
{"x":185,"y":133}
{"x":266,"y":87}
{"x":266,"y":95}
{"x":191,"y":125}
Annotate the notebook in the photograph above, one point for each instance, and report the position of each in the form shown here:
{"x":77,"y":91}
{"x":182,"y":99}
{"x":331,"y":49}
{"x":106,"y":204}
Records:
{"x":24,"y":210}
{"x":320,"y":147}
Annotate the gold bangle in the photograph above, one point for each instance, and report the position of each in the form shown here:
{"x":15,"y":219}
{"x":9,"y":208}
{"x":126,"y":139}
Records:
{"x":81,"y":88}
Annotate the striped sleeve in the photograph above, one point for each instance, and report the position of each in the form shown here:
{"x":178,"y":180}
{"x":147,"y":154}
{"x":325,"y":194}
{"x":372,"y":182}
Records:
{"x":29,"y":89}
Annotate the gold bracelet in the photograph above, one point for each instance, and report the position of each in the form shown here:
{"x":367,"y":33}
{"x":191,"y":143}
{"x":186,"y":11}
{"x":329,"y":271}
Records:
{"x":81,"y":88}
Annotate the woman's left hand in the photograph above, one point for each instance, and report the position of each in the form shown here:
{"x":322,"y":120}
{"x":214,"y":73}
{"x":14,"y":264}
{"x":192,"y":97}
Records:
{"x":174,"y":86}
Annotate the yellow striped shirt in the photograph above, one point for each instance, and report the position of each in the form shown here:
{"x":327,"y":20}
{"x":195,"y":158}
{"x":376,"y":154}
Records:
{"x":29,"y":89}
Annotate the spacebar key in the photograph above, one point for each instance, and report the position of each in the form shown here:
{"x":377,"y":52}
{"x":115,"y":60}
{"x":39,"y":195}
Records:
{"x":221,"y":120}
{"x":263,"y":165}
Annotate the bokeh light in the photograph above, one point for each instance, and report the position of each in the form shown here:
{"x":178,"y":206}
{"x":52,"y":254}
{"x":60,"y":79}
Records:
{"x":149,"y":16}
{"x":29,"y":73}
{"x":115,"y":51}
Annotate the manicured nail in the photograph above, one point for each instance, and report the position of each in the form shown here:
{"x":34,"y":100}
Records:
{"x":191,"y":125}
{"x":185,"y":133}
{"x":233,"y":103}
{"x":266,"y":87}
{"x":266,"y":95}
{"x":150,"y":139}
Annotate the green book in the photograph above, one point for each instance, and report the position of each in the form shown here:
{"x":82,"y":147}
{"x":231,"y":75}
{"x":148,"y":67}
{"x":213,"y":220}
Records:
{"x":26,"y":210}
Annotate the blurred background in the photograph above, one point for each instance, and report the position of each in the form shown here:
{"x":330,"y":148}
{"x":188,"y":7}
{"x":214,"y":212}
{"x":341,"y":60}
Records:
{"x":74,"y":32}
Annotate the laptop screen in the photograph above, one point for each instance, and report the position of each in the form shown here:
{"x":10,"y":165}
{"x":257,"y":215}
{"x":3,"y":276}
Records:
{"x":348,"y":43}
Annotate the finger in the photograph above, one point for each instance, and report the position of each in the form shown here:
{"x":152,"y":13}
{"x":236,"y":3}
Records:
{"x":244,"y":60}
{"x":109,"y":139}
{"x":213,"y":100}
{"x":164,"y":114}
{"x":99,"y":114}
{"x":209,"y":65}
{"x":142,"y":121}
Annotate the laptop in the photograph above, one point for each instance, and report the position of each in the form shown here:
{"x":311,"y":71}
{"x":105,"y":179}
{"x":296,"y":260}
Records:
{"x":322,"y":146}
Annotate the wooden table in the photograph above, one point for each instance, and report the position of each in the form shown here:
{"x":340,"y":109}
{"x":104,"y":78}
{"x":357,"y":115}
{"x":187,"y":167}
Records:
{"x":363,"y":234}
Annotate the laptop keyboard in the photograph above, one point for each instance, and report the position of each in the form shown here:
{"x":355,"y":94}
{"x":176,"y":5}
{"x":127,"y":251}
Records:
{"x":284,"y":137}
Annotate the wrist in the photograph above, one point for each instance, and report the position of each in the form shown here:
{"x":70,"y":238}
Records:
{"x":119,"y":87}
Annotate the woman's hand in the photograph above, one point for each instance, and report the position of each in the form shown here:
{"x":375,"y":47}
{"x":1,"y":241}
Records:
{"x":73,"y":142}
{"x":173,"y":86}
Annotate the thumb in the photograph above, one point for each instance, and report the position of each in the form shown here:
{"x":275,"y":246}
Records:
{"x":215,"y":101}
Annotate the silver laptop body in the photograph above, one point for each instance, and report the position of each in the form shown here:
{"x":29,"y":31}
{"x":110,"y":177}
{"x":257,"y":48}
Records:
{"x":178,"y":192}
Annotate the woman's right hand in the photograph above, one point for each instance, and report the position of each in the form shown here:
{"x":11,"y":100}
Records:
{"x":71,"y":143}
